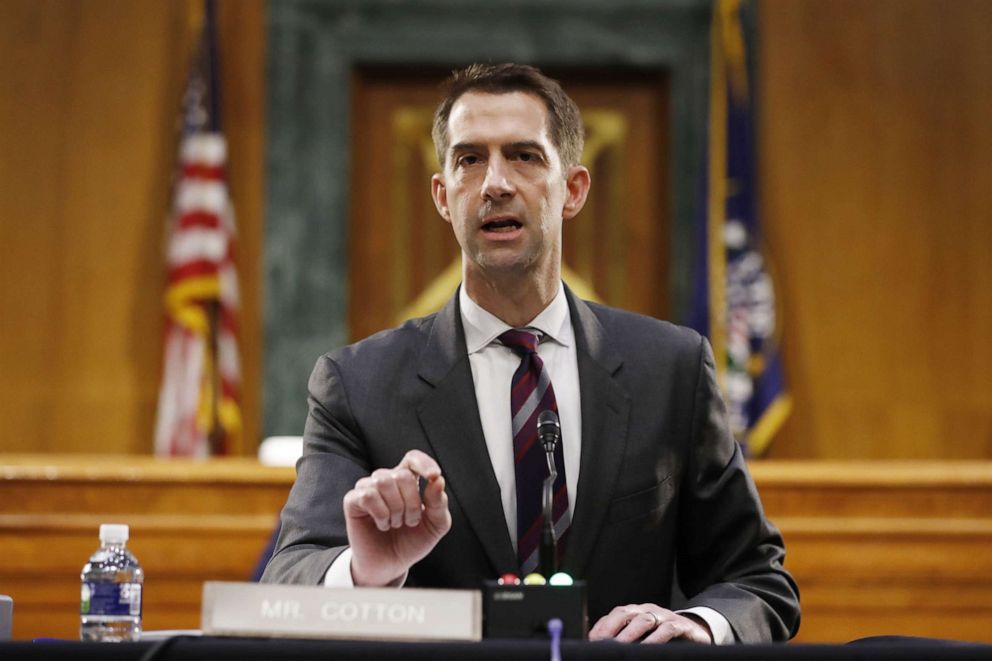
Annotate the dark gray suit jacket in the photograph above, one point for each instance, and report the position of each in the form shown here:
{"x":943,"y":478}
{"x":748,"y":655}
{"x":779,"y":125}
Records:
{"x":662,"y":482}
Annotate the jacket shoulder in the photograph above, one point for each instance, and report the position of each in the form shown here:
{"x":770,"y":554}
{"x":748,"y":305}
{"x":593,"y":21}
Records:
{"x":631,"y":329}
{"x":386,"y":346}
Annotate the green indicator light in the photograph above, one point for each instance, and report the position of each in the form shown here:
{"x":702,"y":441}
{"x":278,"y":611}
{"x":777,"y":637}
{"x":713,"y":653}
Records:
{"x":561,"y":578}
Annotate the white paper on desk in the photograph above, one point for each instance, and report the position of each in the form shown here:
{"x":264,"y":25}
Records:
{"x":163,"y":634}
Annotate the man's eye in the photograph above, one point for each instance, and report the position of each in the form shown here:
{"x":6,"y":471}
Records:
{"x":468,"y":159}
{"x":529,"y":157}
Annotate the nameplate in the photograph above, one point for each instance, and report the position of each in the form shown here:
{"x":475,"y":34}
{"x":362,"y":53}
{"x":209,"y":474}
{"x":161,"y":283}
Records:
{"x":295,"y":611}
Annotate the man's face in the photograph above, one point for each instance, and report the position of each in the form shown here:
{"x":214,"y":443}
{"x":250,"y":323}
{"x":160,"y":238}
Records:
{"x":503,"y":189}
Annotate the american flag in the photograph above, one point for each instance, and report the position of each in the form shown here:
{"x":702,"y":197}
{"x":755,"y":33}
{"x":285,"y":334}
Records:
{"x":198,"y":407}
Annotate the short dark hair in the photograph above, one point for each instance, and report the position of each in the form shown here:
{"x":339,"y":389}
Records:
{"x":564,"y":119}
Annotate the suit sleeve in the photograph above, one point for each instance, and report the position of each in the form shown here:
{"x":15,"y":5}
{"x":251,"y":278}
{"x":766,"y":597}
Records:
{"x":730,"y":557}
{"x":312,"y":526}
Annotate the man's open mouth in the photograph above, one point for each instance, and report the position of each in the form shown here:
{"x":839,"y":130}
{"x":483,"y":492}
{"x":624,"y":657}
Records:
{"x":501,"y":225}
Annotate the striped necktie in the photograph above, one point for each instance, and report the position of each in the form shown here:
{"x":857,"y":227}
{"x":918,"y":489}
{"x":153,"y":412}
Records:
{"x":530,"y":393}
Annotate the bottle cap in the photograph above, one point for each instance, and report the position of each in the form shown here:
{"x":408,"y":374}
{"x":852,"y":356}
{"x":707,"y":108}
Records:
{"x":113,"y":533}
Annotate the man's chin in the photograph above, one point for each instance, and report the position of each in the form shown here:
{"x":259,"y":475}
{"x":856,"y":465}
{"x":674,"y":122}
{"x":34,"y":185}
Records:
{"x":504,"y":262}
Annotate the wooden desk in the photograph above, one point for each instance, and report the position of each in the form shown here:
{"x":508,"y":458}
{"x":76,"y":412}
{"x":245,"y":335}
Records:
{"x":876,"y":547}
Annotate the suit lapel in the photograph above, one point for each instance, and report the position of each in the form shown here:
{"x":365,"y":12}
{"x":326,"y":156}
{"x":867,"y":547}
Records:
{"x":450,"y":418}
{"x":605,"y":408}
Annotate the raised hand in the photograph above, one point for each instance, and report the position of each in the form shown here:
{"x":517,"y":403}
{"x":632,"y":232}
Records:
{"x":390,"y":527}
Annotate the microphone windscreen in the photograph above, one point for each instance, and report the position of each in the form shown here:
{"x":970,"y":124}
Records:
{"x":547,"y":417}
{"x":548,"y":429}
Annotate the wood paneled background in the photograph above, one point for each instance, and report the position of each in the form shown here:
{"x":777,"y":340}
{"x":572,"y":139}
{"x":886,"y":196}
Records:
{"x":876,"y":164}
{"x":876,"y":198}
{"x":89,"y":104}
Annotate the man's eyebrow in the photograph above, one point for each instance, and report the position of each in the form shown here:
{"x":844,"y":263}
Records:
{"x":465,"y":146}
{"x":513,"y":146}
{"x":526,"y":144}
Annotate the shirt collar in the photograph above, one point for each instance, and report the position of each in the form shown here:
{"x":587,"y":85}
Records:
{"x":482,"y":327}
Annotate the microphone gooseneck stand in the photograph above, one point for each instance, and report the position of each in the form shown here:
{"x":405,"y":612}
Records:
{"x":549,"y":431}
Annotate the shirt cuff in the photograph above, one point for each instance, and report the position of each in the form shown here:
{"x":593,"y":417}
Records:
{"x":718,"y":624}
{"x":338,"y":575}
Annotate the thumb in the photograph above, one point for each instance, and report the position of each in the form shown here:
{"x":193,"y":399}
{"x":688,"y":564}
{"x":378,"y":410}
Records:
{"x":436,"y":505}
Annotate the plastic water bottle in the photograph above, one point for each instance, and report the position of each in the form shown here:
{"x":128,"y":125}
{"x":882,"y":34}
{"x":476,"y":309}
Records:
{"x":110,"y":594}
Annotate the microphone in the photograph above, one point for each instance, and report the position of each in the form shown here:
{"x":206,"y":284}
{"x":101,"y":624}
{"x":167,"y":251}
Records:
{"x":549,"y":431}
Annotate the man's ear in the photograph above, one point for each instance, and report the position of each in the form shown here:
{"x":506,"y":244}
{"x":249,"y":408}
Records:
{"x":577,"y":189}
{"x":440,"y":195}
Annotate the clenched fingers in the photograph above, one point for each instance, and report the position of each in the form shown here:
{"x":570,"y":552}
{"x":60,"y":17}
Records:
{"x":390,"y":497}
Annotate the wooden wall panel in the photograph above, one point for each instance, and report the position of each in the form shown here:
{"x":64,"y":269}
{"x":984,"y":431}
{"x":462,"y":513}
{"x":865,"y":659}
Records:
{"x":877,"y":200}
{"x":885,"y":548}
{"x":89,"y":108}
{"x":876,"y":194}
{"x":190,"y":522}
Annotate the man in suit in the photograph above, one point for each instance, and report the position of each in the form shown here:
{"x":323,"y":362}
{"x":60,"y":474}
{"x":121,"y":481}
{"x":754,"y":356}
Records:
{"x":410,"y":467}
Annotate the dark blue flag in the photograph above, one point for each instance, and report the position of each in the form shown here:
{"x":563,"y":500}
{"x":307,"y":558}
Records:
{"x":733,"y":301}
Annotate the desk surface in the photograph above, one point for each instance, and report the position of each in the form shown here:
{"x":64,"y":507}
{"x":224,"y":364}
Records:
{"x":220,"y":649}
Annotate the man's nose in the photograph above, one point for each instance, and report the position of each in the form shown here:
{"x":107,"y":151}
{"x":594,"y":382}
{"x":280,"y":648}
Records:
{"x":499,"y":180}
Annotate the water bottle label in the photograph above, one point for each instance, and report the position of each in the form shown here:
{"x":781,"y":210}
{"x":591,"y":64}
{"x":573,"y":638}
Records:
{"x":110,"y":599}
